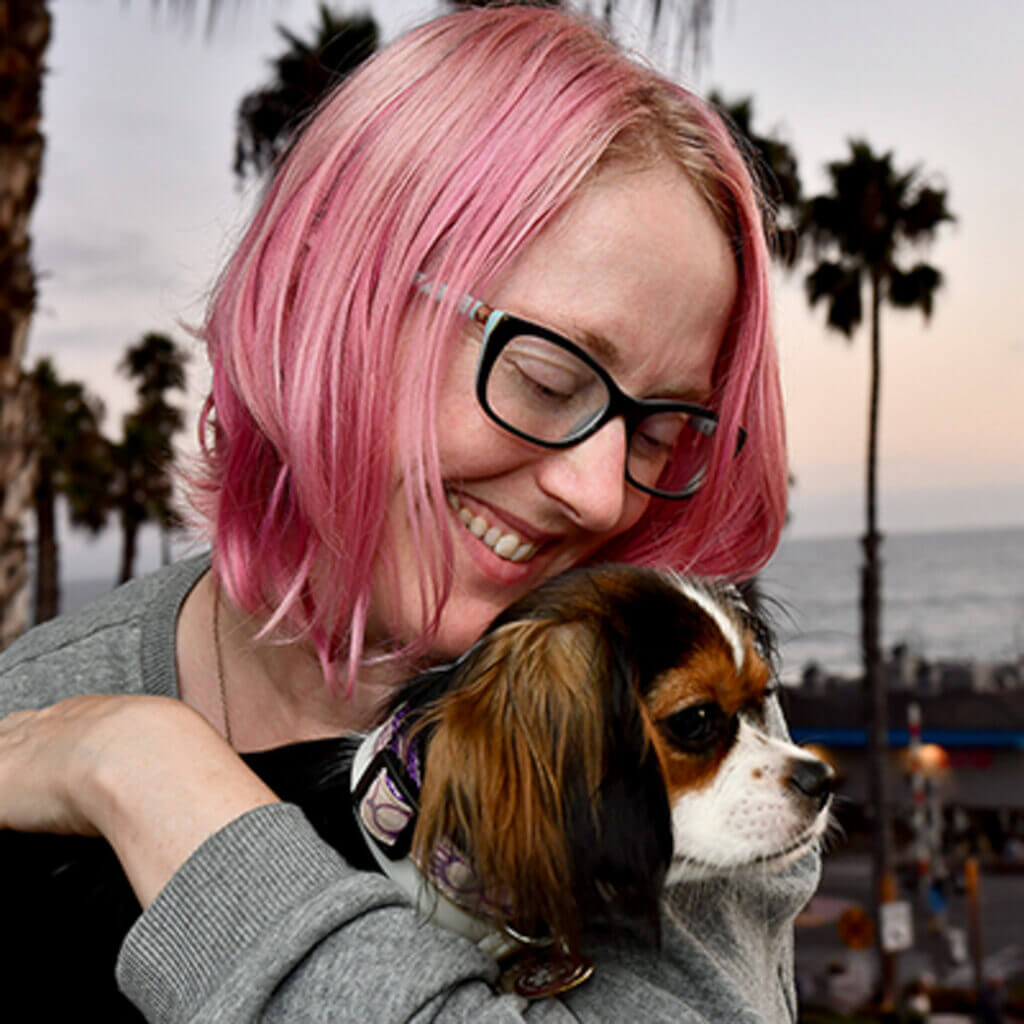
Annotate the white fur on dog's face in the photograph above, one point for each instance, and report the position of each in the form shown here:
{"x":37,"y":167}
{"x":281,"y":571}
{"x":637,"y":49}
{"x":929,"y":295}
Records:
{"x":750,"y":812}
{"x":737,"y":794}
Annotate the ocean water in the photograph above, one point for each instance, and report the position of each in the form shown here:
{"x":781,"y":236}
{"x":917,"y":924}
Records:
{"x":949,"y":596}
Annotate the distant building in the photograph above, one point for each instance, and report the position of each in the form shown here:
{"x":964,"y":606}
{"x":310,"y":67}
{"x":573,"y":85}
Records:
{"x":905,"y":670}
{"x":976,"y":716}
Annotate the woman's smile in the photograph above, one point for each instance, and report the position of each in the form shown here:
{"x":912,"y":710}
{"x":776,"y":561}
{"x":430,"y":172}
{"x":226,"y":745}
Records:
{"x":509,"y":545}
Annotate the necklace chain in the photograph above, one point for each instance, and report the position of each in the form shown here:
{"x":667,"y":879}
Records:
{"x":220,"y":665}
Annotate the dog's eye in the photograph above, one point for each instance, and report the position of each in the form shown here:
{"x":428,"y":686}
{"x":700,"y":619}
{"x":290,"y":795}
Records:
{"x":697,"y":728}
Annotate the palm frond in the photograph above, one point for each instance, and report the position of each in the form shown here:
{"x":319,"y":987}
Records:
{"x":839,"y":286}
{"x":924,"y":215}
{"x":915,"y":288}
{"x":269,"y":117}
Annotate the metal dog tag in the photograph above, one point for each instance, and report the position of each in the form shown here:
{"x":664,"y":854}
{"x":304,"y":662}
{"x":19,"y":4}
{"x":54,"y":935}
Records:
{"x":546,"y":973}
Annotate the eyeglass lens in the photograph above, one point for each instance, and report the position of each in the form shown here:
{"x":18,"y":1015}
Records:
{"x":545,"y":392}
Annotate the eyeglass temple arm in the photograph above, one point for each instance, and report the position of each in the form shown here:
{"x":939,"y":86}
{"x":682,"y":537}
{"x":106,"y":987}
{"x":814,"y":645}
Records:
{"x":473,"y":308}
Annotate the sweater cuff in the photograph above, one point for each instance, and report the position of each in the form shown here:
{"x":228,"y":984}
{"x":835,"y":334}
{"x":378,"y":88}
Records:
{"x":238,"y":883}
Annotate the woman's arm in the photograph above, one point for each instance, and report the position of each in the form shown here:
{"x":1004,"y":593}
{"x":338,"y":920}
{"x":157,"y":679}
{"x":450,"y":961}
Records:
{"x":249,"y":914}
{"x":147,"y":773}
{"x":265,"y":922}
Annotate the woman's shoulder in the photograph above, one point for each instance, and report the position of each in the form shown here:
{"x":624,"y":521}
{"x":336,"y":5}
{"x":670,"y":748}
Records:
{"x":121,"y":643}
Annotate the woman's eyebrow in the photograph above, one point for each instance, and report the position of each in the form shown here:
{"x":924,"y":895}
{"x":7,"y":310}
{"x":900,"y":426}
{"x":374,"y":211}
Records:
{"x":607,"y":353}
{"x":604,"y":351}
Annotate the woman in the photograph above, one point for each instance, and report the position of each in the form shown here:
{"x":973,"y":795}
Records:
{"x":373,"y":499}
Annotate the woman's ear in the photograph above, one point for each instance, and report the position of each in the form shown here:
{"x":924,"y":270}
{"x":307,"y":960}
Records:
{"x":516,"y":752}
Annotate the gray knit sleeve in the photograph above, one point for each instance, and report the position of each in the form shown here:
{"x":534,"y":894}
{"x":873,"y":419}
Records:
{"x":265,"y":922}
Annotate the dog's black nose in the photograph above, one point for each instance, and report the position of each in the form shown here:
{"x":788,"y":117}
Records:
{"x":813,"y":778}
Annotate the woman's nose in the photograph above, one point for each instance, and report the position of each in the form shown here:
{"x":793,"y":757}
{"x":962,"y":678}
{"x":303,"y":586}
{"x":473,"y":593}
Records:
{"x":589,"y":479}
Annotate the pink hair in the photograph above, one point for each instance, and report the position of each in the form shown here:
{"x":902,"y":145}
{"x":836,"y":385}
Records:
{"x":447,"y":153}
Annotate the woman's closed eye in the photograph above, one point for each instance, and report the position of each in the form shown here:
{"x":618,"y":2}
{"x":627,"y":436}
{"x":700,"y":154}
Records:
{"x":545,"y":381}
{"x":655,"y":438}
{"x":544,"y":375}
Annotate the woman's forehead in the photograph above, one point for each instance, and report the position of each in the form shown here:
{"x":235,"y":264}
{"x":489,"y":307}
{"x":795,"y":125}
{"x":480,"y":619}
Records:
{"x":637,"y":271}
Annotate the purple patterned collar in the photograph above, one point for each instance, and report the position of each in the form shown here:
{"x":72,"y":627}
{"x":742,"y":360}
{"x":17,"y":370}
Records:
{"x":387,"y":776}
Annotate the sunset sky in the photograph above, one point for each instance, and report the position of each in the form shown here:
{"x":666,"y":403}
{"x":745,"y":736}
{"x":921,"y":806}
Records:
{"x":139,"y":206}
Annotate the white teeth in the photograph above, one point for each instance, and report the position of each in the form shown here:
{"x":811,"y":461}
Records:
{"x":522,"y":553}
{"x":505,"y":545}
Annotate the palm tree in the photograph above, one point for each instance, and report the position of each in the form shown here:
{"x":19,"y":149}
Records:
{"x":24,"y":35}
{"x":307,"y":70}
{"x":73,"y":460}
{"x":777,"y":172}
{"x":268,"y":117}
{"x":858,"y":231}
{"x":143,"y":461}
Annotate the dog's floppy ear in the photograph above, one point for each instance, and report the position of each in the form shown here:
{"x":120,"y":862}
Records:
{"x":620,"y":867}
{"x":519,"y":725}
{"x":527,"y":775}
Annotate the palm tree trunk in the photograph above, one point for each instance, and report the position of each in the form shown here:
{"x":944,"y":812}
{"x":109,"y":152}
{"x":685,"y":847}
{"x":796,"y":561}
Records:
{"x":24,"y":35}
{"x":47,"y":587}
{"x":17,"y":472}
{"x":129,"y":543}
{"x":875,"y":690}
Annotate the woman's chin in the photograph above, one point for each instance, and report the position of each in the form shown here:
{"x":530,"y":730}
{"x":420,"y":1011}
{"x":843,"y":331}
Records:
{"x":452,"y":640}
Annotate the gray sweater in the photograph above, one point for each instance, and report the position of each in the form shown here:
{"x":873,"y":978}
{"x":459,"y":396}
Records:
{"x":266,"y":922}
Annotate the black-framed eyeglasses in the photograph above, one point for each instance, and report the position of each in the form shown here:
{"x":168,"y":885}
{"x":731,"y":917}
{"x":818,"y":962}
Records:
{"x":549,"y":391}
